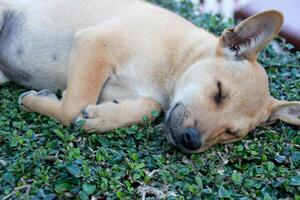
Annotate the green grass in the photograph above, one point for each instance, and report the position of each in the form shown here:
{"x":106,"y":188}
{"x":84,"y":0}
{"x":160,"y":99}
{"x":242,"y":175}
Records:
{"x":41,"y":159}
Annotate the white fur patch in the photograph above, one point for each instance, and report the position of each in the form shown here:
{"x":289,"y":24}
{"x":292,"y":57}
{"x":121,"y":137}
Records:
{"x":229,"y":53}
{"x":252,"y":42}
{"x":246,"y":45}
{"x":184,"y":94}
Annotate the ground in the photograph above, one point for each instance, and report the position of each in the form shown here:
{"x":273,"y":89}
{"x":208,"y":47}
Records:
{"x":41,"y":159}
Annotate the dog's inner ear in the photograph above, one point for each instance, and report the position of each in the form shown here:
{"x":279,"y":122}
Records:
{"x":250,"y":36}
{"x":286,"y":111}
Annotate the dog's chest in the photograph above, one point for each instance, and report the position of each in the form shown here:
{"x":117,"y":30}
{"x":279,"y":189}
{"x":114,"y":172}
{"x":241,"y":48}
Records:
{"x":133,"y":80}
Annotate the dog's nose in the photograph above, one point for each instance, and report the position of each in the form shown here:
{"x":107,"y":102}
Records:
{"x":191,"y":139}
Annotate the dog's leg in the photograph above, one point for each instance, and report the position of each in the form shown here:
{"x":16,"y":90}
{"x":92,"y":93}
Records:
{"x":89,"y":67}
{"x":110,"y":115}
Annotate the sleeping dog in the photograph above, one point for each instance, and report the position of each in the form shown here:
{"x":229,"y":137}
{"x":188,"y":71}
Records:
{"x":119,"y":60}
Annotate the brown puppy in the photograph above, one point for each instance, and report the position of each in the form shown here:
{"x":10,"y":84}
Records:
{"x":129,"y":58}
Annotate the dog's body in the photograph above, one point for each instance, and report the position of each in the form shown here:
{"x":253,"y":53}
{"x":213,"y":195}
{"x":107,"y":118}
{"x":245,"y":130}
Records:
{"x":133,"y":58}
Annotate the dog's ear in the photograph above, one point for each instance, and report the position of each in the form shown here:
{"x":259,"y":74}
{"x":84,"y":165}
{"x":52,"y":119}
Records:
{"x":286,"y":111}
{"x":250,"y":36}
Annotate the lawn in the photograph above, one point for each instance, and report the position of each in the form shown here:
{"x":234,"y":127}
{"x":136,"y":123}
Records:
{"x":41,"y":159}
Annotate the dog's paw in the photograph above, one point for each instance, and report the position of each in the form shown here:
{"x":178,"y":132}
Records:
{"x":96,"y":118}
{"x":87,"y":117}
{"x":23,"y":96}
{"x":86,"y":124}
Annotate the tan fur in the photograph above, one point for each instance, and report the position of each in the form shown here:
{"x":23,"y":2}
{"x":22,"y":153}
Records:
{"x":165,"y":59}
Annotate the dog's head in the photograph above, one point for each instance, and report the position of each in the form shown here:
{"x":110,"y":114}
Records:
{"x":221,"y":98}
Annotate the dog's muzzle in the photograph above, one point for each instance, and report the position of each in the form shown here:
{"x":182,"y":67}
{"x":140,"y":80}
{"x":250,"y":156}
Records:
{"x":187,"y":139}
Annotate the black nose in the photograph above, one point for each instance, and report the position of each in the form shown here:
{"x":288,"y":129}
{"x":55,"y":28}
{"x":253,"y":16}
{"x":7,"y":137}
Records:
{"x":191,"y":139}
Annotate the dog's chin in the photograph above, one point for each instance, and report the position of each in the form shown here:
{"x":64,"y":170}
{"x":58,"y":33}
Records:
{"x":184,"y":150}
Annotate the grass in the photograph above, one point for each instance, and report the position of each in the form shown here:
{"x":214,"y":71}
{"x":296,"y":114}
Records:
{"x":41,"y":159}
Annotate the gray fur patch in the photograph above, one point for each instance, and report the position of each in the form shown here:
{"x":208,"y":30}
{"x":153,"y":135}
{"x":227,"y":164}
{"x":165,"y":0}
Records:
{"x":20,"y":51}
{"x":13,"y":23}
{"x":55,"y":57}
{"x":14,"y":73}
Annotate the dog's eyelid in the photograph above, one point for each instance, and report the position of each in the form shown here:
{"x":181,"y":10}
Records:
{"x":219,"y":97}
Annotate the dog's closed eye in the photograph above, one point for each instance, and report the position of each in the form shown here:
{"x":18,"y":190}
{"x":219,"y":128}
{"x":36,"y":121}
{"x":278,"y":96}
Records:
{"x":219,"y":96}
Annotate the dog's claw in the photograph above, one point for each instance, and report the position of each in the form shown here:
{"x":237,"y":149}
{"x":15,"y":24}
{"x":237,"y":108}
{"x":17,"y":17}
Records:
{"x":23,"y":95}
{"x":44,"y":92}
{"x":85,"y":114}
{"x":47,"y":93}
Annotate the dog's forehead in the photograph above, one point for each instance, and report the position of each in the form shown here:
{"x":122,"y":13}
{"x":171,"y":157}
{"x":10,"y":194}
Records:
{"x":244,"y":72}
{"x":241,"y":78}
{"x":224,"y":66}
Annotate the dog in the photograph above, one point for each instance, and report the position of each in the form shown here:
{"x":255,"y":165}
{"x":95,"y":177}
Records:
{"x":118,"y":61}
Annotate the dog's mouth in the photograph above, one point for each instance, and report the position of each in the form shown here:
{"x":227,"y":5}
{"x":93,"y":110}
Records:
{"x":171,"y":139}
{"x":174,"y":126}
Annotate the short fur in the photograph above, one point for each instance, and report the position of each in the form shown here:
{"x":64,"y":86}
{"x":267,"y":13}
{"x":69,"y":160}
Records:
{"x":120,"y":60}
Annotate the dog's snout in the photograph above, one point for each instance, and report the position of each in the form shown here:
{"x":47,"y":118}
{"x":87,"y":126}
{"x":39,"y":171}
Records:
{"x":191,"y":139}
{"x":187,"y":139}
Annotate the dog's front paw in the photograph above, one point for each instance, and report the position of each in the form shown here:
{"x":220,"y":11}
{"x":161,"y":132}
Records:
{"x":97,"y":118}
{"x":88,"y":125}
{"x":87,"y":119}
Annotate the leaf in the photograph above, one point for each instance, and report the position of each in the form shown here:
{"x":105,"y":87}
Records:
{"x":295,"y":156}
{"x":279,"y":158}
{"x":199,"y":182}
{"x":267,"y":197}
{"x":237,"y":178}
{"x":59,"y":134}
{"x":155,"y":113}
{"x":136,"y":176}
{"x":119,"y":194}
{"x":49,"y":197}
{"x":89,"y":188}
{"x":83,"y":196}
{"x":146,"y":119}
{"x":74,"y":170}
{"x":9,"y":178}
{"x":223,"y":193}
{"x":99,"y":157}
{"x":240,"y":148}
{"x":270,"y":166}
{"x":295,"y":181}
{"x":62,"y":187}
{"x":139,"y":166}
{"x":184,"y":171}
